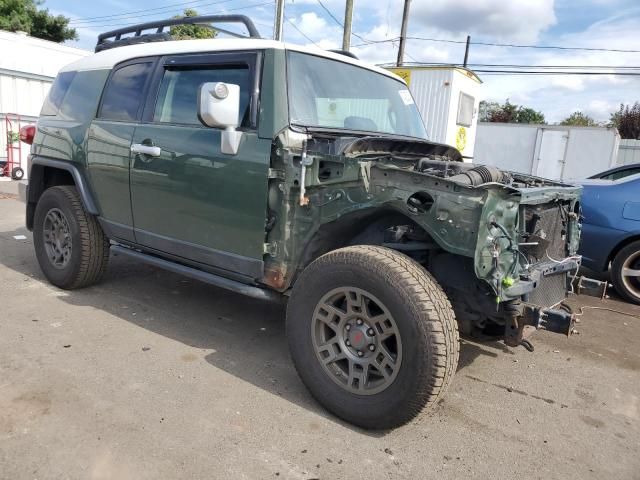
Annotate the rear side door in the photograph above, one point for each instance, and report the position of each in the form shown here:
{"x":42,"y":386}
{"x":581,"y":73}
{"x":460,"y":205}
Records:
{"x":189,"y":199}
{"x":109,"y":144}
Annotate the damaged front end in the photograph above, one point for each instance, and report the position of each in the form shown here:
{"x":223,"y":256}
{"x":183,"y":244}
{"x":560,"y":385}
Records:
{"x":503,"y":245}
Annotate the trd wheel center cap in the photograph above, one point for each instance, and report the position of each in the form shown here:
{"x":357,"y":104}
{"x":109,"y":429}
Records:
{"x":359,"y":338}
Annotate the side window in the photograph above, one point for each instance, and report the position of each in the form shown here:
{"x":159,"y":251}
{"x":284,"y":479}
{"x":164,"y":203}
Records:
{"x":57,"y":93}
{"x":124,"y":92}
{"x":178,"y":95}
{"x":465,"y":110}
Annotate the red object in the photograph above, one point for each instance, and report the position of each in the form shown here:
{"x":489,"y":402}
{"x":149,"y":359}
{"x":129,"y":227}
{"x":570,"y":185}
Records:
{"x":14,"y":148}
{"x":27,"y":133}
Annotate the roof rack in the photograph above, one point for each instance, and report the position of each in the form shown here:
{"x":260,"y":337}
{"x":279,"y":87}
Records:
{"x":114,"y":38}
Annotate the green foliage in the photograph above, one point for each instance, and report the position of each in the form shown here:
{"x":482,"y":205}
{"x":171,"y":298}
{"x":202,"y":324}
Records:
{"x":188,"y":32}
{"x":627,"y":121}
{"x":508,"y":113}
{"x":579,"y":119}
{"x":24,"y":15}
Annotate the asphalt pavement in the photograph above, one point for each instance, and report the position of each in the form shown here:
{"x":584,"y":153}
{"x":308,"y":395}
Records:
{"x":152,"y":375}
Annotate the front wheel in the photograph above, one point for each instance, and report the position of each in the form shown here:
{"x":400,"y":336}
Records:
{"x":372,"y":335}
{"x":625,"y":272}
{"x":17,"y":173}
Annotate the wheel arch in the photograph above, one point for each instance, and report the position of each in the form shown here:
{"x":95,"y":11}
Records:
{"x":363,"y":227}
{"x":620,"y":245}
{"x":48,"y":172}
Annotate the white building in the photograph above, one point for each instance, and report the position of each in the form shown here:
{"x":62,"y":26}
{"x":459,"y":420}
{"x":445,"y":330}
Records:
{"x":28,"y":67}
{"x":448,"y":99}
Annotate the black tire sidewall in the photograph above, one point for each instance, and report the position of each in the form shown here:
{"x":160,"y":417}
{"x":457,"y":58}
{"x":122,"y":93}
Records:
{"x":359,"y":409}
{"x":616,"y":271}
{"x":64,"y":277}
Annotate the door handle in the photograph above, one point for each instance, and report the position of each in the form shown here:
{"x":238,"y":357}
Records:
{"x":146,"y":149}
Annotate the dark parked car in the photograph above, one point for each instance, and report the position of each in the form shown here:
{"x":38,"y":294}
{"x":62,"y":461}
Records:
{"x":611,"y":228}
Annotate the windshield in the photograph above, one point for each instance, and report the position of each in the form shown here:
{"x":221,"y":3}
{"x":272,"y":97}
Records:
{"x":331,"y":94}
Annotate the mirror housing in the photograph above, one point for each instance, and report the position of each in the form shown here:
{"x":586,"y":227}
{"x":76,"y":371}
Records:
{"x":219,"y":107}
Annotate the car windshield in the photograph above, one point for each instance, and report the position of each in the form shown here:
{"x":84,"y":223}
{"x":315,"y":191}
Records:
{"x":335,"y":95}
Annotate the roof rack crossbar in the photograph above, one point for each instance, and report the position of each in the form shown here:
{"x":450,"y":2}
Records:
{"x":111,"y":39}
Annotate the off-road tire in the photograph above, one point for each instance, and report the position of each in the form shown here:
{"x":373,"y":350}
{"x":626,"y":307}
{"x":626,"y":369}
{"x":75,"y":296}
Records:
{"x":629,"y":294}
{"x":89,"y":245}
{"x":425,"y":320}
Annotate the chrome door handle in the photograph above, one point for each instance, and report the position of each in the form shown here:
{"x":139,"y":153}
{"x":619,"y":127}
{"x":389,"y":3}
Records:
{"x":146,"y":149}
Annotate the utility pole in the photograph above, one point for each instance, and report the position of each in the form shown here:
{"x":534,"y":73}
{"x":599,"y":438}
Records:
{"x":466,"y":52}
{"x":403,"y":32}
{"x":346,"y":36}
{"x":277,"y":27}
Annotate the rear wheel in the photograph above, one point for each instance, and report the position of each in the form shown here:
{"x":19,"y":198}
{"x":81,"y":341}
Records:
{"x":372,"y":335}
{"x":625,"y":272}
{"x":70,"y":246}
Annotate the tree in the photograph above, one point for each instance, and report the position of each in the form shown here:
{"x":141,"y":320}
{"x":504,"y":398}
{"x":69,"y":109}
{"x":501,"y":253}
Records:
{"x":24,"y":15}
{"x":508,"y":113}
{"x":188,"y":32}
{"x":579,"y":119}
{"x":627,"y":121}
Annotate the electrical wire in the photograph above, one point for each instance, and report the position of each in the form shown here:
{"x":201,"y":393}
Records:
{"x":585,"y":307}
{"x":366,"y":40}
{"x":103,"y":17}
{"x":203,"y":13}
{"x":300,"y":31}
{"x":509,"y":45}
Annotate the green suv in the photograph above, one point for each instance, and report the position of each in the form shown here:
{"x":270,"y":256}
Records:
{"x":285,"y":172}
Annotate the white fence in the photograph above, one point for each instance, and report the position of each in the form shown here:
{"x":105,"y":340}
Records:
{"x":628,"y":152}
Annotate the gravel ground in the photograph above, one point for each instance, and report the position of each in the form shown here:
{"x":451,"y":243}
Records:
{"x":151,"y":375}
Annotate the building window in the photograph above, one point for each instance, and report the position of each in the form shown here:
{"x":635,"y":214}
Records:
{"x":465,"y":110}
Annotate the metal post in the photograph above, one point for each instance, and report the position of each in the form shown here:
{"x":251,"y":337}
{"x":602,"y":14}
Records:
{"x":466,"y":52}
{"x":403,"y":32}
{"x":277,"y":27}
{"x":346,"y":35}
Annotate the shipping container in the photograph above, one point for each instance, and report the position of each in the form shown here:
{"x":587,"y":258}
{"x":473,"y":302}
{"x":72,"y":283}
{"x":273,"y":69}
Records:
{"x":448,"y":100}
{"x":555,"y":152}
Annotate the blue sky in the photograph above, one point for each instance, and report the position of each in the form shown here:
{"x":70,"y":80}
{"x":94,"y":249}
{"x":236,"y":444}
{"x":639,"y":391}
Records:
{"x":584,"y":23}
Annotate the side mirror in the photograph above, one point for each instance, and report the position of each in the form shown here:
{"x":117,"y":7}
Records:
{"x":219,"y":107}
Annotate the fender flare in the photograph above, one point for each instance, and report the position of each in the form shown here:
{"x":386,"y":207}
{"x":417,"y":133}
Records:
{"x":78,"y":177}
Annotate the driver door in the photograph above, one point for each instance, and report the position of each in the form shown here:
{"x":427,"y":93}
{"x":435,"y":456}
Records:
{"x":189,"y":200}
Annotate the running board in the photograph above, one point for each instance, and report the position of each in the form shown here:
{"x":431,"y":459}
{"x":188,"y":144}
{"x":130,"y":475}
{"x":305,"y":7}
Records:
{"x":210,"y":278}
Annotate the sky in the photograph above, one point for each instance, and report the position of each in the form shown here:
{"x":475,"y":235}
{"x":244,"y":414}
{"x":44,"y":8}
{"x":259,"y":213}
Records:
{"x":610,"y":24}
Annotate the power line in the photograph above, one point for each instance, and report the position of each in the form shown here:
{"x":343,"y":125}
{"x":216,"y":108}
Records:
{"x":366,"y":40}
{"x":300,"y":31}
{"x":132,"y":24}
{"x":112,"y":17}
{"x":508,"y":45}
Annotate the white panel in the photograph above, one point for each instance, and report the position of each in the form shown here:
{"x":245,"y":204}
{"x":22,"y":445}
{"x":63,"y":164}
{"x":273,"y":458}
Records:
{"x":507,"y":146}
{"x":431,"y":89}
{"x":552,"y":153}
{"x":590,"y":151}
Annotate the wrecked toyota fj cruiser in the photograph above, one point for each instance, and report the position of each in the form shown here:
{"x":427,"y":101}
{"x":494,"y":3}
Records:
{"x":280,"y":171}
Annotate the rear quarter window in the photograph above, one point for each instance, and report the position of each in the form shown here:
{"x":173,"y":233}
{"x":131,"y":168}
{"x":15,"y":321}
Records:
{"x":75,"y":95}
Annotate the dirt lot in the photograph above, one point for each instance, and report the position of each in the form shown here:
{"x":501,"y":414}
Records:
{"x":150,"y":375}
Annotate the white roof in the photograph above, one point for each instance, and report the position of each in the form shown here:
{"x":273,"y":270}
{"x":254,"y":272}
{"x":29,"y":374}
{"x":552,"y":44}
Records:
{"x":107,"y":59}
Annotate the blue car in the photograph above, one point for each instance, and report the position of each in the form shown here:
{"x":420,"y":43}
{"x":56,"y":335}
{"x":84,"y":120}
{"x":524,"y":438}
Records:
{"x":611,"y":228}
